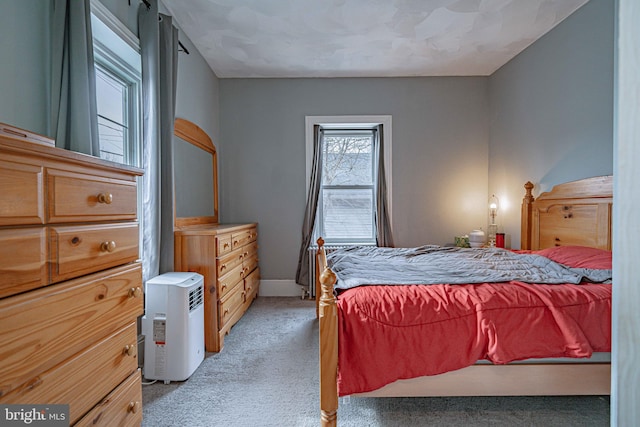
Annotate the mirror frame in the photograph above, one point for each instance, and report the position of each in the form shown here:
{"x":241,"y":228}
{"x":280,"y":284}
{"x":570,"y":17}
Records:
{"x":193,"y":134}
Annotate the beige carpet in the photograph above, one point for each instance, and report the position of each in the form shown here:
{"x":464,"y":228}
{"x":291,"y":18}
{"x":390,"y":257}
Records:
{"x":267,"y":375}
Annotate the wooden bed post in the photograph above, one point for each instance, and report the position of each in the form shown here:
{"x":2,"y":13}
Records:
{"x":525,"y":217}
{"x":316,"y":275}
{"x":328,"y":343}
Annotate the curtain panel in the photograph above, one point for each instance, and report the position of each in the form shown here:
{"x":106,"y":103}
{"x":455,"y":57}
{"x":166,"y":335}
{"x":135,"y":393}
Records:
{"x":384,"y":236}
{"x":303,"y":273}
{"x":159,"y":51}
{"x":74,"y":111}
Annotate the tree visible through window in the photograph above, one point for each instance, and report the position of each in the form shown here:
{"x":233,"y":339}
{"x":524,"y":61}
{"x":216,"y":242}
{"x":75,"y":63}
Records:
{"x":347,"y":195}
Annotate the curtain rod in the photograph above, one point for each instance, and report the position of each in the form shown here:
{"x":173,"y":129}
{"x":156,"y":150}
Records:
{"x":184,"y":49}
{"x":180,"y":45}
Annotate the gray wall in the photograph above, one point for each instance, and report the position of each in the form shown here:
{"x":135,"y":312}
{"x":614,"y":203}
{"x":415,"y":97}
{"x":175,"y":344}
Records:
{"x":440,"y":155}
{"x":24,"y":67}
{"x":552,"y":111}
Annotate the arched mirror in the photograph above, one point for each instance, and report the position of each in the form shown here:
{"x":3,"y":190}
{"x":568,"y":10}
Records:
{"x":195,"y":175}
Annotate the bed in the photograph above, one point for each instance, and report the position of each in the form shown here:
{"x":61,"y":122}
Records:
{"x":569,"y":227}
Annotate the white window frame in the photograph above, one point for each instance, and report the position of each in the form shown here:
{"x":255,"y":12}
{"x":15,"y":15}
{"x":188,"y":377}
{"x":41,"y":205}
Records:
{"x":121,"y":67}
{"x":352,"y":122}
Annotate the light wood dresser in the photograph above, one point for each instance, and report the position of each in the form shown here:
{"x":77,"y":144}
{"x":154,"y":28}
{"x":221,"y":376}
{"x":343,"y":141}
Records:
{"x":227,"y":257}
{"x":70,"y":281}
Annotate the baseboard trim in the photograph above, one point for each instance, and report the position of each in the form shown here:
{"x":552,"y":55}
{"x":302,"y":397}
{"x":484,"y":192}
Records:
{"x":280,"y":288}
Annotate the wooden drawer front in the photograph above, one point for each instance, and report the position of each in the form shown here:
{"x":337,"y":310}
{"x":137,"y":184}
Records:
{"x":42,"y":328}
{"x":253,"y":234}
{"x":122,"y":407}
{"x":228,"y":306}
{"x":240,"y":238}
{"x":77,"y":197}
{"x":250,"y":250}
{"x":23,"y":260}
{"x":223,"y":243}
{"x":85,"y":249}
{"x":21,"y":194}
{"x":251,"y":284}
{"x":227,"y":262}
{"x":229,"y":281}
{"x":86,"y":378}
{"x":249,"y":265}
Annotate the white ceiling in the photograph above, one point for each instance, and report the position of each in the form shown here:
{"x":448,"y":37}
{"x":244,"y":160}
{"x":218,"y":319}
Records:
{"x":364,"y":38}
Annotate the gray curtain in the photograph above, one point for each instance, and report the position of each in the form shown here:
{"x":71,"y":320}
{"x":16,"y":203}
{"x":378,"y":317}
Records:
{"x":302,"y":273}
{"x":159,"y":50}
{"x":383,"y":226}
{"x":73,"y":87}
{"x":168,"y":80}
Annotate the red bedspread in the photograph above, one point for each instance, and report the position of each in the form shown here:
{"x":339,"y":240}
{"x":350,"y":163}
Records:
{"x":388,"y":333}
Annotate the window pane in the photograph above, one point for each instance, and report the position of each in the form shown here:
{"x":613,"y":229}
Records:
{"x":112,"y":140}
{"x":347,"y":160}
{"x":348,"y":214}
{"x":110,"y":97}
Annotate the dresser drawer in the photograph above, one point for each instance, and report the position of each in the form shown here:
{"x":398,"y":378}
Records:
{"x":250,"y":250}
{"x":84,"y":379}
{"x":240,"y":238}
{"x":42,"y":328}
{"x":122,"y":407}
{"x":251,"y":284}
{"x":23,"y":260}
{"x":229,"y":281}
{"x":79,"y":197}
{"x":21,"y":194}
{"x":226,"y":263}
{"x":228,"y":306}
{"x":223,"y":243}
{"x":249,"y":265}
{"x":77,"y":250}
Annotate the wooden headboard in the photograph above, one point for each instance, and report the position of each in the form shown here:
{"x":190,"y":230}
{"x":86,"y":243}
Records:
{"x":573,"y":213}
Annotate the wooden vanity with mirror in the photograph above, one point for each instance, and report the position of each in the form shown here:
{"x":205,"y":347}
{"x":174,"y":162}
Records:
{"x":225,"y":254}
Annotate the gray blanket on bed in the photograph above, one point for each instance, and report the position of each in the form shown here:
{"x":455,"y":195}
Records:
{"x":427,"y":265}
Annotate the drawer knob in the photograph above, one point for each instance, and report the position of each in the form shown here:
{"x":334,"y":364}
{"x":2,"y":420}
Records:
{"x":105,"y":198}
{"x":135,"y":292}
{"x":129,"y":350}
{"x":133,"y":407}
{"x":108,"y":246}
{"x":223,"y":267}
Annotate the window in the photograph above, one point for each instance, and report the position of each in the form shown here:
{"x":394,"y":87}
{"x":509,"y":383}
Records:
{"x":112,"y":97}
{"x":118,"y":87}
{"x":347,"y":192}
{"x":347,"y":198}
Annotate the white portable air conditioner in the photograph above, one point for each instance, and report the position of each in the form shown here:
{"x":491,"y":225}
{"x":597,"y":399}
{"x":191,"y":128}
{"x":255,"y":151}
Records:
{"x":173,"y":326}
